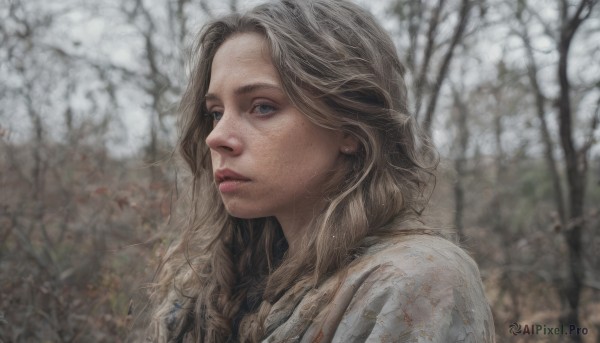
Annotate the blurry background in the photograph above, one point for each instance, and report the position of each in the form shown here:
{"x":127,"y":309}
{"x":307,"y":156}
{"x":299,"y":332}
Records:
{"x":509,"y":90}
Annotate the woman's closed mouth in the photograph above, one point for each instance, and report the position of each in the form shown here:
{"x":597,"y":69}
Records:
{"x":228,"y":180}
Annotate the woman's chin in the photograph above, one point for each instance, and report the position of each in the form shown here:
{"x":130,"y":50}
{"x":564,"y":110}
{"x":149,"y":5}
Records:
{"x":243,"y":213}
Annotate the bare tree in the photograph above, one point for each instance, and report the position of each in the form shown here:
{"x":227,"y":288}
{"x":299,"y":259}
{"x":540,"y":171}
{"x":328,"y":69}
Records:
{"x":67,"y":205}
{"x":576,"y":159}
{"x":570,"y":207}
{"x":540,"y":108}
{"x":430,"y":71}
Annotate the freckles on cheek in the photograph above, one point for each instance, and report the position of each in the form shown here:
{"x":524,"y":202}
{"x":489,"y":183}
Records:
{"x":272,"y":158}
{"x":287,"y":149}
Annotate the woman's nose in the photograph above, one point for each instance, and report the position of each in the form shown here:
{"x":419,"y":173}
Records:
{"x":225,"y":136}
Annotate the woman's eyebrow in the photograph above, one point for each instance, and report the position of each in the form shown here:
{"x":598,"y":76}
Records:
{"x":245,"y":89}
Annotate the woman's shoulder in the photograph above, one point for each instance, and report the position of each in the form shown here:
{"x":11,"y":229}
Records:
{"x":418,"y":288}
{"x":415,"y":256}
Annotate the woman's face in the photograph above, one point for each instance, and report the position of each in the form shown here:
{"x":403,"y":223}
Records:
{"x":268,"y":158}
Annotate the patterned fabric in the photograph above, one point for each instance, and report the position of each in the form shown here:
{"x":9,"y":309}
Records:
{"x":416,"y":288}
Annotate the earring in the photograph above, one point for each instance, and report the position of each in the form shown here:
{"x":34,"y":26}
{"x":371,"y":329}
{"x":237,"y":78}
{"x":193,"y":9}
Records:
{"x":346,"y":150}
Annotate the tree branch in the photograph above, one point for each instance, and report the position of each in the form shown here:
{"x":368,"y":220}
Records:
{"x":443,"y":71}
{"x":532,"y":72}
{"x":421,"y":78}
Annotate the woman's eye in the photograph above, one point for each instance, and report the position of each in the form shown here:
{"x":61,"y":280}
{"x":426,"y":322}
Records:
{"x":263,"y":109}
{"x":216,"y":115}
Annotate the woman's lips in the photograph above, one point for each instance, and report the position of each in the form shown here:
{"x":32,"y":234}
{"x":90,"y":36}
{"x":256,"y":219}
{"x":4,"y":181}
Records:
{"x":229,"y":180}
{"x":229,"y":186}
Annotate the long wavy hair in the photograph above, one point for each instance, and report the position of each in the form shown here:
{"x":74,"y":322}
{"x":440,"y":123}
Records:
{"x":217,"y":283}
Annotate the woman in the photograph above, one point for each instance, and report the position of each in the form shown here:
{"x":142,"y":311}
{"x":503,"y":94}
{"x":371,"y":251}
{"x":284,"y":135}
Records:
{"x":309,"y":181}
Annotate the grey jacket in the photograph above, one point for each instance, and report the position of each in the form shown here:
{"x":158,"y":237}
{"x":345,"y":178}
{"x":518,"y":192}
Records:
{"x":417,"y":288}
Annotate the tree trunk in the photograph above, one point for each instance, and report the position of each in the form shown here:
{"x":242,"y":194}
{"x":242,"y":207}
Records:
{"x":462,"y":141}
{"x":576,"y":164}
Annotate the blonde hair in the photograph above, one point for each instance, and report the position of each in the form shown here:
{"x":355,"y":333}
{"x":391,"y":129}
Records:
{"x":340,"y":69}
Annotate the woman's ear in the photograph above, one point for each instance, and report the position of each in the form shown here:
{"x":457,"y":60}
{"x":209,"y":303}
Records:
{"x":349,"y":144}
